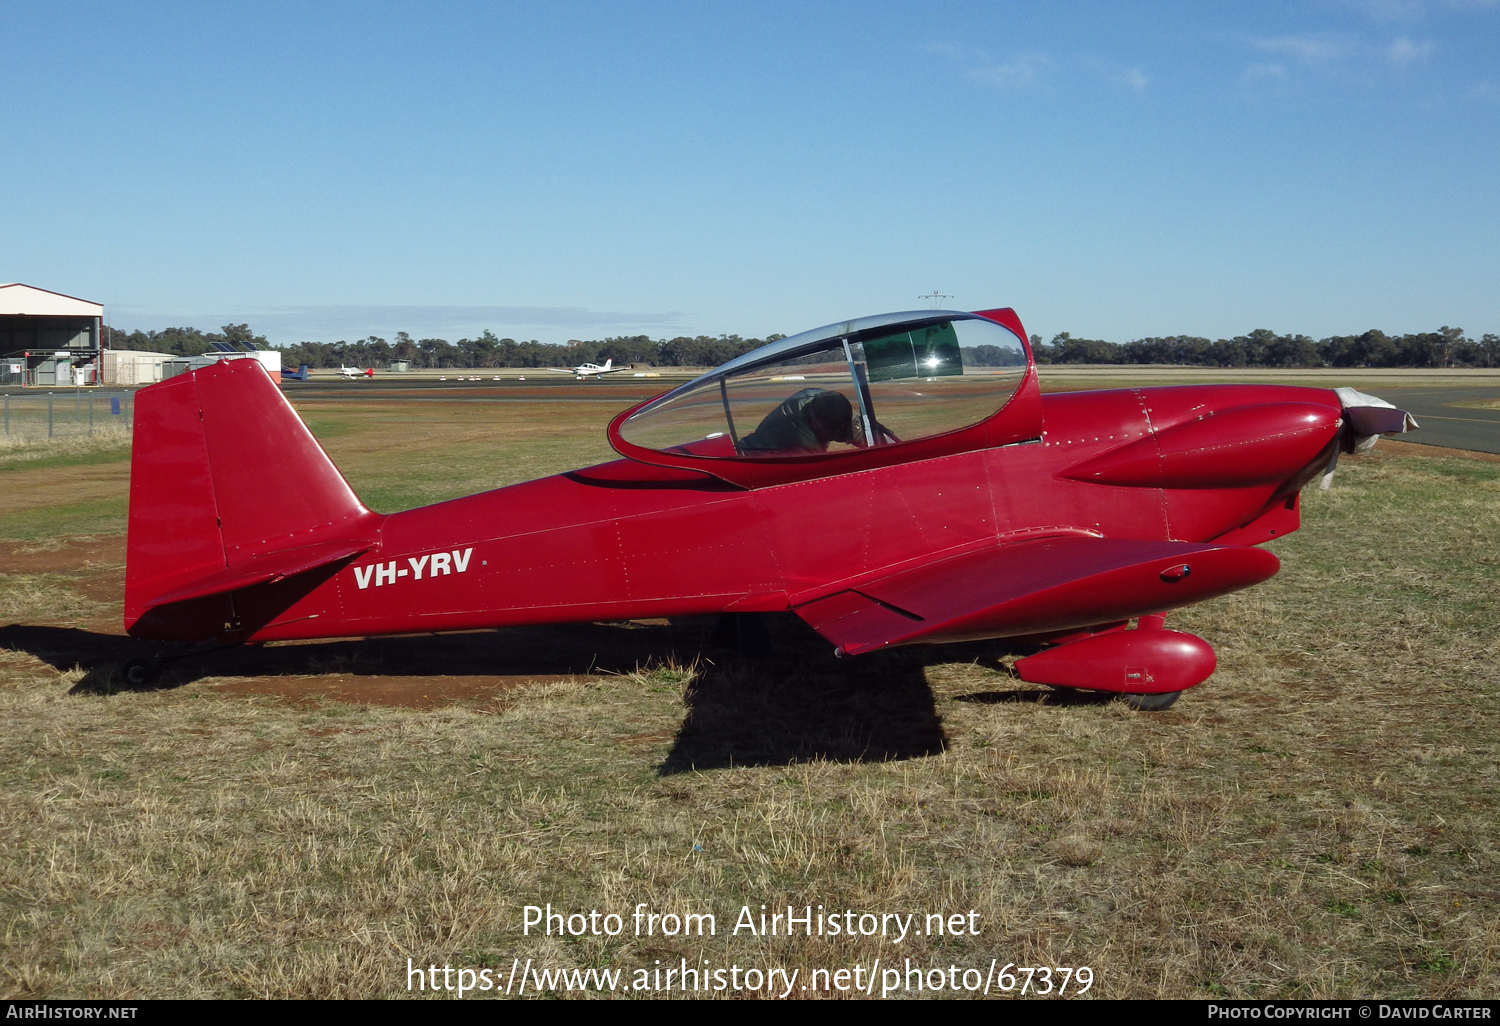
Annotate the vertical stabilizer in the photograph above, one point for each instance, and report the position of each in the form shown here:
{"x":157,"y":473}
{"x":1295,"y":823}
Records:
{"x":224,"y":473}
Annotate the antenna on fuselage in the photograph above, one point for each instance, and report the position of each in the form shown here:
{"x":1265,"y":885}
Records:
{"x":934,"y":299}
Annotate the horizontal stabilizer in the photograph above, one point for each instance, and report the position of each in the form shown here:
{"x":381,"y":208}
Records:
{"x":1032,"y":587}
{"x":264,"y":568}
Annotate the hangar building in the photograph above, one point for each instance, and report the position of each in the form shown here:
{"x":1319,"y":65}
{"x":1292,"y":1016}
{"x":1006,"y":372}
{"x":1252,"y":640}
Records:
{"x":47,"y":338}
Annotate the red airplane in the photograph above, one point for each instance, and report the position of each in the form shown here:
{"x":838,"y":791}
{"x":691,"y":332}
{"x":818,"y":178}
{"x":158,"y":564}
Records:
{"x":858,"y":475}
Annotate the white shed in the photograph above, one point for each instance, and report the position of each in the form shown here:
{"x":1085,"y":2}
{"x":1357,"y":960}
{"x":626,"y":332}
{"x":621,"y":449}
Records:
{"x":132,"y":367}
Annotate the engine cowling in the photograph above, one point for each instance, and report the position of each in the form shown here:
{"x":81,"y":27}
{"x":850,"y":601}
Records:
{"x":1259,"y":443}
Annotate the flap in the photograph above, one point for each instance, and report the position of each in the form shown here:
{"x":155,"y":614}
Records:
{"x":262,"y":569}
{"x":1032,"y":587}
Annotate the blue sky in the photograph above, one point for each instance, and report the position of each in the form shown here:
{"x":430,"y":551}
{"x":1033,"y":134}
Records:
{"x":559,"y":170}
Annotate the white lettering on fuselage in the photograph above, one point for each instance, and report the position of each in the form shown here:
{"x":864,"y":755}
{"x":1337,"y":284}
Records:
{"x":434,"y":564}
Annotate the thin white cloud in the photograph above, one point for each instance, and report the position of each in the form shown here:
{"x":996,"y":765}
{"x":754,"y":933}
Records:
{"x":1033,"y":71}
{"x":1135,"y":78}
{"x":1337,"y":55}
{"x":1319,"y":49}
{"x":948,"y":50}
{"x":1485,"y":92}
{"x":1264,"y":72}
{"x":1022,"y":73}
{"x":1403,"y":52}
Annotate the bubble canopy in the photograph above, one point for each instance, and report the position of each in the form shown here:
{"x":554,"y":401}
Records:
{"x":857,"y":385}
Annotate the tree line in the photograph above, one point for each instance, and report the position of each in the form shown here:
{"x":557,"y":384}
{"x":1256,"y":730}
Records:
{"x":487,"y":350}
{"x":1446,"y":347}
{"x":179,"y":341}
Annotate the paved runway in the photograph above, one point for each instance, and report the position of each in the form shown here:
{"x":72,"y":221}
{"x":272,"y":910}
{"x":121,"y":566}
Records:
{"x":1454,"y":427}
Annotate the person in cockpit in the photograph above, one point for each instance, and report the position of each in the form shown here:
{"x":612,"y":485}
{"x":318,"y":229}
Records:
{"x":804,"y":423}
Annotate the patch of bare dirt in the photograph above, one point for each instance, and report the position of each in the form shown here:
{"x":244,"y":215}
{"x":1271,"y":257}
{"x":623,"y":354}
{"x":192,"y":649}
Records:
{"x":94,"y":567}
{"x":111,"y":622}
{"x":105,"y":585}
{"x":56,"y":555}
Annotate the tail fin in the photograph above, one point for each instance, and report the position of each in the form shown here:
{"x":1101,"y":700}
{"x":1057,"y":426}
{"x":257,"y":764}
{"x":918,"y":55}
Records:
{"x":228,"y":490}
{"x":609,"y":363}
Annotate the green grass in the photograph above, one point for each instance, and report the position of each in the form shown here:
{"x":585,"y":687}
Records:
{"x":452,"y":451}
{"x":31,"y":458}
{"x":94,"y":516}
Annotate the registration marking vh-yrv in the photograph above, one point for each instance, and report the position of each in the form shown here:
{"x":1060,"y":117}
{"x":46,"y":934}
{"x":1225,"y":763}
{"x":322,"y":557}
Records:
{"x":387,"y":573}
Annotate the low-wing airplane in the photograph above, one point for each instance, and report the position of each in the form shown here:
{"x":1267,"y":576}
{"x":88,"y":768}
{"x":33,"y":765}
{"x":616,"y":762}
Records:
{"x":355,"y":372}
{"x":858,"y":475}
{"x":583,"y":370}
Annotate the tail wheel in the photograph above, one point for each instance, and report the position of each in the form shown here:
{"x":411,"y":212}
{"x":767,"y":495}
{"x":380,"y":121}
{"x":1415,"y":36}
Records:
{"x":137,"y":673}
{"x":1151,"y":703}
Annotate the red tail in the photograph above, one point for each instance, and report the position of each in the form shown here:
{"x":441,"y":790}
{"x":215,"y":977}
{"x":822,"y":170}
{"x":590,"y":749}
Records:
{"x":228,"y":490}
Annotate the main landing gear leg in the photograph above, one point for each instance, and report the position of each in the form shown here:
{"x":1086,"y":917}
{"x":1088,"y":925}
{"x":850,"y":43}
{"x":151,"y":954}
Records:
{"x":745,"y":633}
{"x":1161,"y":700}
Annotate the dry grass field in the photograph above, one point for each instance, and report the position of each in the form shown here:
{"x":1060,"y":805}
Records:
{"x":1317,"y":820}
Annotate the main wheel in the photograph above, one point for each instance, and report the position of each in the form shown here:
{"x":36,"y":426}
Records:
{"x":1151,"y":703}
{"x":137,"y":673}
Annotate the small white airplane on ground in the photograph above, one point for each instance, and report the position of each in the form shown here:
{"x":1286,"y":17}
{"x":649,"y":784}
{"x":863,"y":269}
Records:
{"x":355,"y":372}
{"x":583,"y":370}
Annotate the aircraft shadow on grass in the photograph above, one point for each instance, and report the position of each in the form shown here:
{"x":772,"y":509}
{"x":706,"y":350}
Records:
{"x":766,"y":693}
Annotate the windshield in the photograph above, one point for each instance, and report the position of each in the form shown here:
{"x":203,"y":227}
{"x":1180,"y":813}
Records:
{"x":878,"y":381}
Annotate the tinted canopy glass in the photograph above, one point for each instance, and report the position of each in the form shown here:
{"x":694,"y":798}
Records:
{"x":873,"y":382}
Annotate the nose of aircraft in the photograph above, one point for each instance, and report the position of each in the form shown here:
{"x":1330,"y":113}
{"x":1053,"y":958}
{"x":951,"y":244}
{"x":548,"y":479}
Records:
{"x":1366,"y":418}
{"x":1370,"y":416}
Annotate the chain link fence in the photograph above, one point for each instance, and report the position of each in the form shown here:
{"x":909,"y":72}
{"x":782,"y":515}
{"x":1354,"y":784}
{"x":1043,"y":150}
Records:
{"x":36,"y":416}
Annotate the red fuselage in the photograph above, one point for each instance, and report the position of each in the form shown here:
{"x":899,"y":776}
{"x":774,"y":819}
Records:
{"x":626,"y":540}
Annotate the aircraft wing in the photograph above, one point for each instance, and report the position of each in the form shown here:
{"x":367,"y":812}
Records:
{"x":1031,"y":587}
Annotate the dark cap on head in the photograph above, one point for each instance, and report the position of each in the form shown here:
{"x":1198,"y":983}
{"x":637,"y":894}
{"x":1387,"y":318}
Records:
{"x":831,"y":417}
